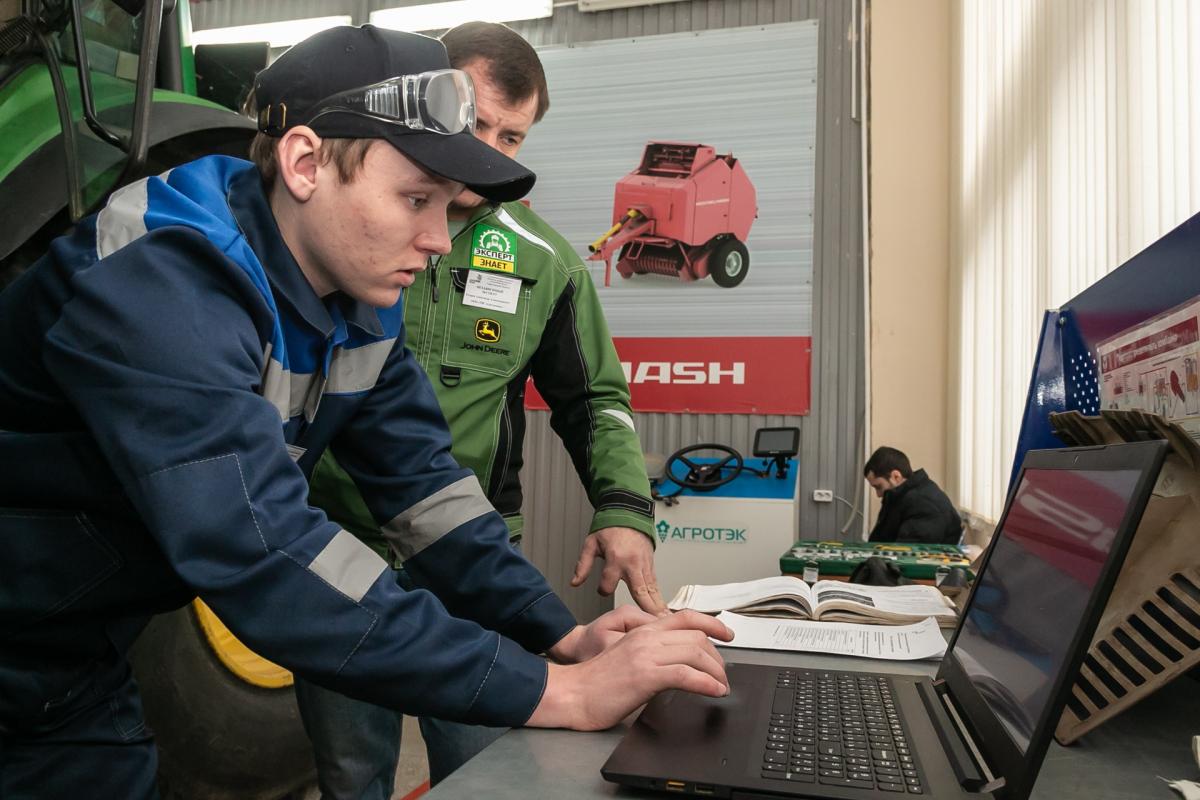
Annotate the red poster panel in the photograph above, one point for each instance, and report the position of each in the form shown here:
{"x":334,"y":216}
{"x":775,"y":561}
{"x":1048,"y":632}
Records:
{"x":717,"y":375}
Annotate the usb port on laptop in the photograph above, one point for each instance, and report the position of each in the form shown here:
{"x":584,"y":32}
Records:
{"x":675,"y":786}
{"x":702,"y":789}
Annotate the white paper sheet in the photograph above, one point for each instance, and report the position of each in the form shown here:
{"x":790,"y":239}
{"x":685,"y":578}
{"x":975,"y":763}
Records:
{"x":893,"y":642}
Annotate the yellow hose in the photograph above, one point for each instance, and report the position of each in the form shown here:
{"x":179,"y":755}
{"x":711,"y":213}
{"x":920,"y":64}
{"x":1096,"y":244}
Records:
{"x":595,"y":246}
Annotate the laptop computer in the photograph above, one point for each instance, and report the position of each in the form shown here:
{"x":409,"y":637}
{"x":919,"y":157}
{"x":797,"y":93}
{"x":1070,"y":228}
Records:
{"x":981,"y":727}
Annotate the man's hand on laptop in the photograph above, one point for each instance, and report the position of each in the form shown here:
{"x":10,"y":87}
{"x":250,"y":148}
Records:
{"x":589,"y":641}
{"x":672,"y":652}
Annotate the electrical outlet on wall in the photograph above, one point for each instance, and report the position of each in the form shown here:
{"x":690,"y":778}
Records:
{"x":822,"y":495}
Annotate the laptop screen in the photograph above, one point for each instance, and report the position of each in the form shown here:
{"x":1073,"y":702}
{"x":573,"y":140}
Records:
{"x":1033,"y":594}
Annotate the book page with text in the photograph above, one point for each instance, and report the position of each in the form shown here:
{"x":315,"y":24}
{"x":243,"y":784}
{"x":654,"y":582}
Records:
{"x":915,"y":600}
{"x":724,"y":596}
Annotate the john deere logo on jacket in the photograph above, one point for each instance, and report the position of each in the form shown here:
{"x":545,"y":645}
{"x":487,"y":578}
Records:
{"x":487,"y":330}
{"x":493,"y":248}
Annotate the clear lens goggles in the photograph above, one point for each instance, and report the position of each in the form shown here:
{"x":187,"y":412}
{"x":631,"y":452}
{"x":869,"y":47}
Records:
{"x":441,"y":101}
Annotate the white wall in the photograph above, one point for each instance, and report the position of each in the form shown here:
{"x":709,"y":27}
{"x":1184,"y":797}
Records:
{"x":910,"y":228}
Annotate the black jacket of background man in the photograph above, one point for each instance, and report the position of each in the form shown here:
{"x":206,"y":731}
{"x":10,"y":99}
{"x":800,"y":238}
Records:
{"x":917,"y":511}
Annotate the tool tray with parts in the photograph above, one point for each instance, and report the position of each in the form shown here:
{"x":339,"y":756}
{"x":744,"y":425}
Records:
{"x":838,"y":559}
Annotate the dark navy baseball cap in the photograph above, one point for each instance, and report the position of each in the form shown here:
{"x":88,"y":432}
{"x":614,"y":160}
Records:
{"x":308,"y":85}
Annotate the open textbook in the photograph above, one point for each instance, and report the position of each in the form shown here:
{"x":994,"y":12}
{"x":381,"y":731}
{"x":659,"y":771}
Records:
{"x":787,"y":596}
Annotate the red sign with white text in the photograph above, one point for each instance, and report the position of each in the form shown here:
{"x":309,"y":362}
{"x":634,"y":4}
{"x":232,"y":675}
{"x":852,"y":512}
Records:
{"x":719,"y":375}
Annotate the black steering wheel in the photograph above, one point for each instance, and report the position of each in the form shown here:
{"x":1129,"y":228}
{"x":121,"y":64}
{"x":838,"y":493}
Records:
{"x":704,"y":477}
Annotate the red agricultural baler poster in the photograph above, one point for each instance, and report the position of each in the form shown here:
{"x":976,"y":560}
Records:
{"x":682,"y":169}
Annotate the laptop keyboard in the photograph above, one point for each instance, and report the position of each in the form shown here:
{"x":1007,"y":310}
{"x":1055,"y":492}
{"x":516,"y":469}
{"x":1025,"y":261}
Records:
{"x":839,"y":729}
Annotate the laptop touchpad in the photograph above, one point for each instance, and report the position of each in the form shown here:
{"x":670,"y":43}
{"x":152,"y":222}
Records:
{"x":706,"y":737}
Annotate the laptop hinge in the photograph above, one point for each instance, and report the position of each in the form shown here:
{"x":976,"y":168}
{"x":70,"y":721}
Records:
{"x":970,"y":768}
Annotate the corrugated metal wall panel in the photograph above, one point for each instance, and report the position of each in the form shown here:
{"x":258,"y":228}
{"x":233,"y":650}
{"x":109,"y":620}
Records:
{"x":566,"y":26}
{"x":556,"y":509}
{"x":227,"y":13}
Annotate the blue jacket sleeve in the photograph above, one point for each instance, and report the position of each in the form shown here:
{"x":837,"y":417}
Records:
{"x":160,"y":350}
{"x":436,"y":515}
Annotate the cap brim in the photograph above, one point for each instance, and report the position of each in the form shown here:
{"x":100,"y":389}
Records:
{"x":486,"y":171}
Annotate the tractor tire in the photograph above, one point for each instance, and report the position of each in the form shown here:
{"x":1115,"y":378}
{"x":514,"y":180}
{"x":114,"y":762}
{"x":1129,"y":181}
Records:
{"x":728,"y":263}
{"x":218,"y":737}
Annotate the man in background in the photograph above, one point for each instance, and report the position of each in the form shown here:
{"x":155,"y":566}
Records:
{"x":479,"y":354}
{"x":914,"y":508}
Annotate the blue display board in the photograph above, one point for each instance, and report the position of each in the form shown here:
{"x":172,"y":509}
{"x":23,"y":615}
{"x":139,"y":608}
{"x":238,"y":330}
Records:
{"x":1164,"y":275}
{"x":746,"y":485}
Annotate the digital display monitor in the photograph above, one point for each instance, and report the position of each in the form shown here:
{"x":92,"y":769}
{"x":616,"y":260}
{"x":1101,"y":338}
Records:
{"x":1032,"y":596}
{"x":776,"y":442}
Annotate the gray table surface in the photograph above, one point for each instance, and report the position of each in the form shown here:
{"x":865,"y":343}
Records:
{"x":1122,"y":759}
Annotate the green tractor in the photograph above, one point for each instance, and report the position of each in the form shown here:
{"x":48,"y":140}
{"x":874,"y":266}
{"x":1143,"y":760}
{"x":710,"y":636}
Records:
{"x":93,"y":95}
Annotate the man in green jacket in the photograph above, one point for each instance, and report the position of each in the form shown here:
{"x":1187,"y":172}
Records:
{"x":511,"y":300}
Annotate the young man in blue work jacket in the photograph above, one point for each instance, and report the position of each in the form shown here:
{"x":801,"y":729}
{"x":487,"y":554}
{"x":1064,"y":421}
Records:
{"x":171,"y":370}
{"x":554,"y":332}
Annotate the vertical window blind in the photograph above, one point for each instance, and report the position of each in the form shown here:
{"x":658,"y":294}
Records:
{"x":1076,"y":143}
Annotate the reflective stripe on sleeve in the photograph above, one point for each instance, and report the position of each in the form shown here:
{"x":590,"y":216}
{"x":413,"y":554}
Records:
{"x":357,"y":369}
{"x":432,"y":518}
{"x":621,"y":415}
{"x":522,"y":231}
{"x":291,"y":393}
{"x":276,"y":386}
{"x":348,"y":565}
{"x":350,"y":370}
{"x":123,"y":219}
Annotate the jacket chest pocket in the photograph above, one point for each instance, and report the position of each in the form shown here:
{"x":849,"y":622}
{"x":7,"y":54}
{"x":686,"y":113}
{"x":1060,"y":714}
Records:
{"x":484,"y":339}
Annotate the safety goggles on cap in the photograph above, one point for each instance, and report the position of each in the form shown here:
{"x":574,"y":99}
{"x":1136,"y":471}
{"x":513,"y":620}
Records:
{"x":440,"y":101}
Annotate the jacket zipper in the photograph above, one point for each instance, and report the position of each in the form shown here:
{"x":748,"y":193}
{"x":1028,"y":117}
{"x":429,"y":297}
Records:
{"x":429,"y":320}
{"x":505,"y":432}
